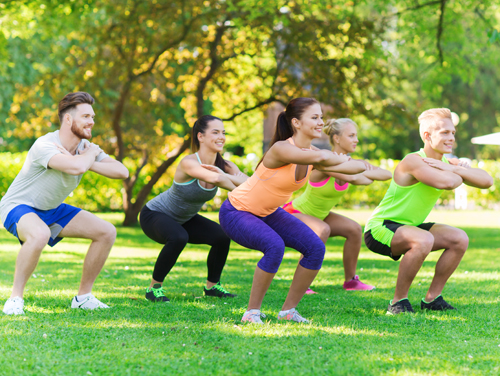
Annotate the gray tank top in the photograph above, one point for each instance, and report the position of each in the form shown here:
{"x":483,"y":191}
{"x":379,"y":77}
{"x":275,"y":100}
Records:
{"x":182,"y":200}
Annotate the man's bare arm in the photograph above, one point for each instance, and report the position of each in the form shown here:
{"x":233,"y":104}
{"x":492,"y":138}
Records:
{"x":110,"y":168}
{"x":475,"y":177}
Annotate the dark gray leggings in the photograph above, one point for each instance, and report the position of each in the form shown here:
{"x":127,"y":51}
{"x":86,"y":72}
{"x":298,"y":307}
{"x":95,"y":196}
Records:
{"x":198,"y":230}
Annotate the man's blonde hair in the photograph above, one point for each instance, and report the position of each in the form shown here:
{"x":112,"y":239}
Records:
{"x":429,"y":119}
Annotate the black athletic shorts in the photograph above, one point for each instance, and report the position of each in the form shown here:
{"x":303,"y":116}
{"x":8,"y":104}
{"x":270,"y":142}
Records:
{"x":375,"y":246}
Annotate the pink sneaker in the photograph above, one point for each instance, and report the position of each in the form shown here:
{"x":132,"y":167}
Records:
{"x":356,"y":285}
{"x":310,"y":292}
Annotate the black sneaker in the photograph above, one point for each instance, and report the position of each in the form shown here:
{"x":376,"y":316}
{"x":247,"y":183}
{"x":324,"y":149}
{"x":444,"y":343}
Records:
{"x":438,"y":304}
{"x":218,"y":291}
{"x":156,"y":294}
{"x":402,"y":306}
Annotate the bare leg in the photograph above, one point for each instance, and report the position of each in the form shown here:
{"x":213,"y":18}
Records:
{"x":302,"y":279}
{"x":261,"y":282}
{"x":103,"y":235}
{"x":454,"y":242}
{"x":351,"y":230}
{"x":154,"y":282}
{"x":35,"y":234}
{"x":210,"y":284}
{"x":415,"y":244}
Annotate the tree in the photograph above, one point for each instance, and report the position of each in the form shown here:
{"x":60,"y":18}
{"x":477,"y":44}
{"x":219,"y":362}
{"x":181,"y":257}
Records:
{"x":155,"y":66}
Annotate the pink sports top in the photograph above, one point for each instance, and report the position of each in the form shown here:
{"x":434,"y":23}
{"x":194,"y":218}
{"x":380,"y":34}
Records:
{"x":267,"y":189}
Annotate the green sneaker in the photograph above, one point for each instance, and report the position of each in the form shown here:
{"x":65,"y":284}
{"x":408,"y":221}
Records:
{"x":156,"y":294}
{"x":218,"y":291}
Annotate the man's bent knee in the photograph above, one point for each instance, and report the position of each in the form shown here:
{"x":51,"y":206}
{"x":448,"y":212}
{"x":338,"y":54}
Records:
{"x":107,"y":232}
{"x":461,"y":240}
{"x":423,"y":244}
{"x":37,"y":236}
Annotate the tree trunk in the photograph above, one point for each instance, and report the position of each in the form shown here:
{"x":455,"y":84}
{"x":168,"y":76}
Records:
{"x":132,"y":210}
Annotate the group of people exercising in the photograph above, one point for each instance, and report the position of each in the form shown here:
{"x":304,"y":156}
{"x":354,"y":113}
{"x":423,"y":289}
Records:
{"x":258,"y":213}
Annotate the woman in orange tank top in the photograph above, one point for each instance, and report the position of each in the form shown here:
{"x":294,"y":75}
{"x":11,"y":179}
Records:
{"x":252,"y":215}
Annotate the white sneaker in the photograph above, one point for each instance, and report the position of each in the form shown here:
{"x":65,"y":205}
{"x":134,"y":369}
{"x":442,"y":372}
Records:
{"x":253,"y":316}
{"x":14,"y":306}
{"x":292,"y":315}
{"x":90,"y":302}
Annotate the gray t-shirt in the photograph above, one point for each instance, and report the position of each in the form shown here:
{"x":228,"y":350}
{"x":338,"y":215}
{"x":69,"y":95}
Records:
{"x":38,"y":185}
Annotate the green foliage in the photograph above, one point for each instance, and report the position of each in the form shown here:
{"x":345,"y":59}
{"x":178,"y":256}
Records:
{"x":379,"y":62}
{"x":98,"y":193}
{"x":10,"y":165}
{"x":193,"y":335}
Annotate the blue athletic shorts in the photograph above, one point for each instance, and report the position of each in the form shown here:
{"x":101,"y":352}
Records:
{"x":56,"y":219}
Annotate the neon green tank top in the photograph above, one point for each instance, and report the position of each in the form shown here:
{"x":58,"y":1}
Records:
{"x":407,"y":205}
{"x":319,"y":198}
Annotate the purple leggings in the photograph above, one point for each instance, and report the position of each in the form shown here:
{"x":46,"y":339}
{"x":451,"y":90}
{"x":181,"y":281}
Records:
{"x":271,"y":234}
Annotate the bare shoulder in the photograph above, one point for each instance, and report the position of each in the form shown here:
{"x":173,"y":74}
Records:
{"x":281,"y":144}
{"x":187,"y":163}
{"x":189,"y":158}
{"x":410,"y":161}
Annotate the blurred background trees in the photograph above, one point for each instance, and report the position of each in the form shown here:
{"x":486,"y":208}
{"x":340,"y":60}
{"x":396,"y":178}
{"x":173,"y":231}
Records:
{"x":155,"y":66}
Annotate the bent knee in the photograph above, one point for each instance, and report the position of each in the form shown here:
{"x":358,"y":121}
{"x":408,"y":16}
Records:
{"x":107,"y":232}
{"x":221,"y":239}
{"x":273,"y":256}
{"x":270,"y":263}
{"x":423,"y":244}
{"x":461,"y":240}
{"x":313,"y":259}
{"x":38,"y":236}
{"x":324,"y":232}
{"x":354,"y":231}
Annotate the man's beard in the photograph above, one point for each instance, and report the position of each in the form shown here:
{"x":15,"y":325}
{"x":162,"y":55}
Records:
{"x":79,"y":132}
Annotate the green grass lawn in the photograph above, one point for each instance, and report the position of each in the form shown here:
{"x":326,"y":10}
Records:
{"x":350,"y":332}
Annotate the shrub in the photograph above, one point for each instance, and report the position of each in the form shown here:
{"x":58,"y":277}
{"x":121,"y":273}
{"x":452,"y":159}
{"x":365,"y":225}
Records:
{"x":98,"y":193}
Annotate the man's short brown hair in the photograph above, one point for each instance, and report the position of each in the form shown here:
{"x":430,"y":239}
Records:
{"x":71,"y":100}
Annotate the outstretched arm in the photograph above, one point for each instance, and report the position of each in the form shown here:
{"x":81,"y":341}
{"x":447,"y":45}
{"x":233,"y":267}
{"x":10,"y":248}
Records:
{"x":356,"y":179}
{"x":234,"y":174}
{"x":475,"y":177}
{"x":376,"y":173}
{"x":350,"y":167}
{"x":193,"y":169}
{"x":283,"y":153}
{"x":110,"y":168}
{"x":364,"y":178}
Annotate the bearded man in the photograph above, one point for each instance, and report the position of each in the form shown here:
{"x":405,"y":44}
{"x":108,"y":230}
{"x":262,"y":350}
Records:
{"x":33,"y":209}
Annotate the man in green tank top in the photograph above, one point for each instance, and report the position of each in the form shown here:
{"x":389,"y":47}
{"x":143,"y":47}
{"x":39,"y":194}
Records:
{"x":397,"y":227}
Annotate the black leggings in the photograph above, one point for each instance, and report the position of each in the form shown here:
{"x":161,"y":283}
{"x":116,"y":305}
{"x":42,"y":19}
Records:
{"x":198,"y":230}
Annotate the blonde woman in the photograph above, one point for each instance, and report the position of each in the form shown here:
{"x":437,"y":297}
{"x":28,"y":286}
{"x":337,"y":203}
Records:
{"x":324,"y":191}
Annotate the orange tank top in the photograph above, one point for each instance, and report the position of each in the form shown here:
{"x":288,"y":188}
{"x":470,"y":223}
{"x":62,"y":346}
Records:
{"x":267,"y":189}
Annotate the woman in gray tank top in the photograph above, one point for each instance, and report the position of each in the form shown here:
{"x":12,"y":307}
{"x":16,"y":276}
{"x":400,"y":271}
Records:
{"x":172,"y":218}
